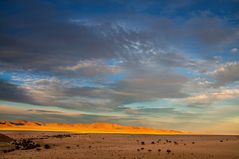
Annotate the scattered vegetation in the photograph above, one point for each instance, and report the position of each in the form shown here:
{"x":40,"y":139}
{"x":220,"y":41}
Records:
{"x":24,"y":144}
{"x":46,"y":146}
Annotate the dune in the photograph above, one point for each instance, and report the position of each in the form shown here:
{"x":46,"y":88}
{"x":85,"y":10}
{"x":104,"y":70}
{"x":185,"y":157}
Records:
{"x":98,"y":127}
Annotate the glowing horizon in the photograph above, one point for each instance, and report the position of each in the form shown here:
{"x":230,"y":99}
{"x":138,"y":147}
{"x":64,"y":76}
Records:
{"x":98,"y":127}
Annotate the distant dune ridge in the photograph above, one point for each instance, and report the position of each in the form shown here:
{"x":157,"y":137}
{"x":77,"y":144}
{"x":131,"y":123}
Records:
{"x":98,"y":127}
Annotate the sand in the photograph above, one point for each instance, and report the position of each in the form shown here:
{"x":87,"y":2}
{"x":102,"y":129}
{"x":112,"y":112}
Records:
{"x":122,"y":146}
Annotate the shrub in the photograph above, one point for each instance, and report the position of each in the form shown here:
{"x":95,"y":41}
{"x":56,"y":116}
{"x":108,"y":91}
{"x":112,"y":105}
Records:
{"x":46,"y":146}
{"x":38,"y":149}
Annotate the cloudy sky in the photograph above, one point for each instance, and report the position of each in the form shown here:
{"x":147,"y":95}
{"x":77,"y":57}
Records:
{"x":161,"y":64}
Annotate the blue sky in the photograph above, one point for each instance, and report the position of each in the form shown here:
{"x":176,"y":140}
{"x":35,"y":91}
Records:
{"x":161,"y":64}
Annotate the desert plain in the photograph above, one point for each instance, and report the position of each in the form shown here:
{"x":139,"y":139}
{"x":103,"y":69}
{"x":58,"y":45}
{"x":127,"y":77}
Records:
{"x":62,"y":145}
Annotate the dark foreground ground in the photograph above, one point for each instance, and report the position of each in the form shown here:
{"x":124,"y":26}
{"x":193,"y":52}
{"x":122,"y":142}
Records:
{"x":53,"y":145}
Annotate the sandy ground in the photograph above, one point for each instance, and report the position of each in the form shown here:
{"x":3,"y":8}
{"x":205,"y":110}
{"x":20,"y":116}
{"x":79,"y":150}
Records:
{"x":119,"y":146}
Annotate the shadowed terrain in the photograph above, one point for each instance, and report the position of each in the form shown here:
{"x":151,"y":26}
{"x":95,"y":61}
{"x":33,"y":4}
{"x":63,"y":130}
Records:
{"x":4,"y":138}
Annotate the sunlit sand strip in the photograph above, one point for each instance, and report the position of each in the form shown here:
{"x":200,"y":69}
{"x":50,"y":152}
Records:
{"x":90,"y":128}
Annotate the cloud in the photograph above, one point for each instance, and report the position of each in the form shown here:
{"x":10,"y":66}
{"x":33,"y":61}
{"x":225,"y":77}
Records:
{"x":152,"y":86}
{"x":226,"y":73}
{"x":162,"y":113}
{"x":209,"y":98}
{"x":135,"y":87}
{"x":13,"y":113}
{"x":12,"y":92}
{"x":44,"y":111}
{"x":69,"y":46}
{"x":91,"y":68}
{"x":212,"y":31}
{"x":54,"y":40}
{"x":234,"y":50}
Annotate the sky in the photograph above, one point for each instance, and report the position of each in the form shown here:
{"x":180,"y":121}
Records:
{"x":163,"y":64}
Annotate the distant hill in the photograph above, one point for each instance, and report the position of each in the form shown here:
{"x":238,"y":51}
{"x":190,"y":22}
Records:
{"x":98,"y":127}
